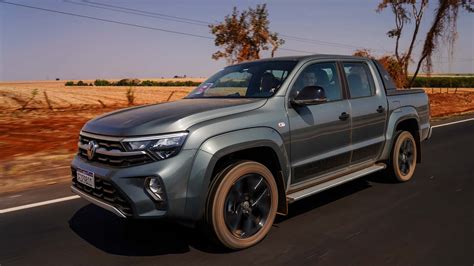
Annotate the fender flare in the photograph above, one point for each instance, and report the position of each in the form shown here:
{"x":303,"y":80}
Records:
{"x":396,"y":117}
{"x":219,"y":146}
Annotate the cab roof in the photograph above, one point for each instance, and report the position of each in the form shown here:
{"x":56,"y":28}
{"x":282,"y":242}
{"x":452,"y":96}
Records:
{"x":306,"y":57}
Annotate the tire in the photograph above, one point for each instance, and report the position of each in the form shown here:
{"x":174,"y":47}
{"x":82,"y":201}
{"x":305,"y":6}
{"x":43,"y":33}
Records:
{"x":402,"y":162}
{"x":242,"y":204}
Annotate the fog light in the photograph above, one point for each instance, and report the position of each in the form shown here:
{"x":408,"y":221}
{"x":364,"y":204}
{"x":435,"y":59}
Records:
{"x":155,"y":188}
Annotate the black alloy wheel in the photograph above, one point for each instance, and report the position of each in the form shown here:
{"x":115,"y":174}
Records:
{"x":247,"y":205}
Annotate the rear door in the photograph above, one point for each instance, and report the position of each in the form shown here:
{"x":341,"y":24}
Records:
{"x":369,"y":111}
{"x":320,"y":134}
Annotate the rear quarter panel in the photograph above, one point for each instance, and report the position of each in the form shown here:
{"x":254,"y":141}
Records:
{"x":402,"y":107}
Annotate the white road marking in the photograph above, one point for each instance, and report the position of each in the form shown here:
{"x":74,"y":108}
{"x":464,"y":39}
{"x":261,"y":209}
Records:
{"x":42,"y":203}
{"x":452,"y":123}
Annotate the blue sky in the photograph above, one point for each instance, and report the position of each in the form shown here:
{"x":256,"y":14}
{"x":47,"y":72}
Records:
{"x":36,"y":45}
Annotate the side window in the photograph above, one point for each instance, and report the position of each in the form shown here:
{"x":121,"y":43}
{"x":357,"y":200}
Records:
{"x":323,"y":75}
{"x":359,"y":80}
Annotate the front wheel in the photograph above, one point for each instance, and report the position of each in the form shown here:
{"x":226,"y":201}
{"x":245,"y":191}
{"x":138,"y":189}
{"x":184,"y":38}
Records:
{"x":403,"y":159}
{"x":243,"y":204}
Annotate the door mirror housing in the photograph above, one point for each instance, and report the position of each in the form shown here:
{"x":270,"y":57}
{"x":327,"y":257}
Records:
{"x":310,"y":95}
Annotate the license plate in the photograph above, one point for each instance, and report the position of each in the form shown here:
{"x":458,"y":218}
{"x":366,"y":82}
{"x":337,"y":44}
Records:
{"x":85,"y":177}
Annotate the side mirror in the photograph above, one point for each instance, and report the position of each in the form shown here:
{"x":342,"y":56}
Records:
{"x":310,"y":95}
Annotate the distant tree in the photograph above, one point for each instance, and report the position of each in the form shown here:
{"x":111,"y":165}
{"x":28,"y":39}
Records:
{"x":390,"y":63}
{"x":101,"y":82}
{"x":404,"y":12}
{"x":444,"y":24}
{"x":69,"y":83}
{"x":364,"y":53}
{"x":81,"y":83}
{"x":243,"y":35}
{"x":127,"y":82}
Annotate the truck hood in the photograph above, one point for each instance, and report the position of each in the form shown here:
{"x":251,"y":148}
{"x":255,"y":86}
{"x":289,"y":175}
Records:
{"x":167,"y":117}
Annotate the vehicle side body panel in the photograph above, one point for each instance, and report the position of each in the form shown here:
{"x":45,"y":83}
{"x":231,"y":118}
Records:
{"x":414,"y":107}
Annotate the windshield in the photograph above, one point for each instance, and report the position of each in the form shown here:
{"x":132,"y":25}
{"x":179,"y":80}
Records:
{"x":247,"y":80}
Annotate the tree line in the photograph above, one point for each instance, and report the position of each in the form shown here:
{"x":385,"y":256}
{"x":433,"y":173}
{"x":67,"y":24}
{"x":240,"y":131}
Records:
{"x":135,"y":82}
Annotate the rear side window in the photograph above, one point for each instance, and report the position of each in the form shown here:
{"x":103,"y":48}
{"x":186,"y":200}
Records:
{"x":359,"y":79}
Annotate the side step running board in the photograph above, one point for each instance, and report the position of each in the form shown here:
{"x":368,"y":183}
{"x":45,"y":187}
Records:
{"x":301,"y":194}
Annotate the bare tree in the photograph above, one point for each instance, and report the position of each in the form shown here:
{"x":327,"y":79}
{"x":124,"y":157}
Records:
{"x":404,"y":12}
{"x":444,"y":24}
{"x":401,"y":17}
{"x":243,"y":35}
{"x":417,"y":13}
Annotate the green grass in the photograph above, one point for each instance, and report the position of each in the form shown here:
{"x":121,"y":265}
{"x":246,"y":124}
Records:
{"x":444,"y":82}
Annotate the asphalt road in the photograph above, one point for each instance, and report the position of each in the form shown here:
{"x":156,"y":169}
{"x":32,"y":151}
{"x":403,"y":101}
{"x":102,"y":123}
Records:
{"x":370,"y":221}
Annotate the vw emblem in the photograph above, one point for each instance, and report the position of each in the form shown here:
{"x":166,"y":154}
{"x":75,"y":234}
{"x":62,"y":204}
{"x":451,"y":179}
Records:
{"x":91,"y":147}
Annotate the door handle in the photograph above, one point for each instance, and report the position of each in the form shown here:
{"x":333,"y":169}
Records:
{"x":344,"y":116}
{"x":380,"y":109}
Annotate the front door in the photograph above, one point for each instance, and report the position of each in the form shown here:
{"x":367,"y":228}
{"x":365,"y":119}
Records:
{"x":320,"y":134}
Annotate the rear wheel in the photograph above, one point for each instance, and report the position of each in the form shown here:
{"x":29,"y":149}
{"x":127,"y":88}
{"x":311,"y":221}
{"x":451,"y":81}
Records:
{"x":403,"y":159}
{"x":243,"y":204}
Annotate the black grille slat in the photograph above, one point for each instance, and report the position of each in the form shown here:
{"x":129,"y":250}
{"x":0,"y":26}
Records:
{"x":108,"y":191}
{"x":111,"y":145}
{"x":105,"y":192}
{"x":115,"y":161}
{"x":109,"y":199}
{"x":102,"y":143}
{"x":119,"y":161}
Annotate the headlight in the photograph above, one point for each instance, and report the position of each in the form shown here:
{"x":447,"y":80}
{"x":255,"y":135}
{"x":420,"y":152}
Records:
{"x":162,"y":147}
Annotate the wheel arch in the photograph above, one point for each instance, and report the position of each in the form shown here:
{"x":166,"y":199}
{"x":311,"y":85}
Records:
{"x":264,"y":145}
{"x":405,"y":118}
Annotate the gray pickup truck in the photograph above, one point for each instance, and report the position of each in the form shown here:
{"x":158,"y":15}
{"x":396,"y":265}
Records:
{"x":248,"y":141}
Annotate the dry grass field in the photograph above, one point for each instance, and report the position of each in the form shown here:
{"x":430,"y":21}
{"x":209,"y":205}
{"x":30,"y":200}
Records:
{"x":40,"y":122}
{"x":14,"y":96}
{"x":446,"y":102}
{"x":38,"y":135}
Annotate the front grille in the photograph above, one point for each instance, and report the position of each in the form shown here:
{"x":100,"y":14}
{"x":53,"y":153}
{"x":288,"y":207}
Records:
{"x":112,"y":153}
{"x":105,"y":192}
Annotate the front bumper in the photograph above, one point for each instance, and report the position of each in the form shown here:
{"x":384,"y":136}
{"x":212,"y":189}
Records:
{"x":98,"y":202}
{"x":129,"y":185}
